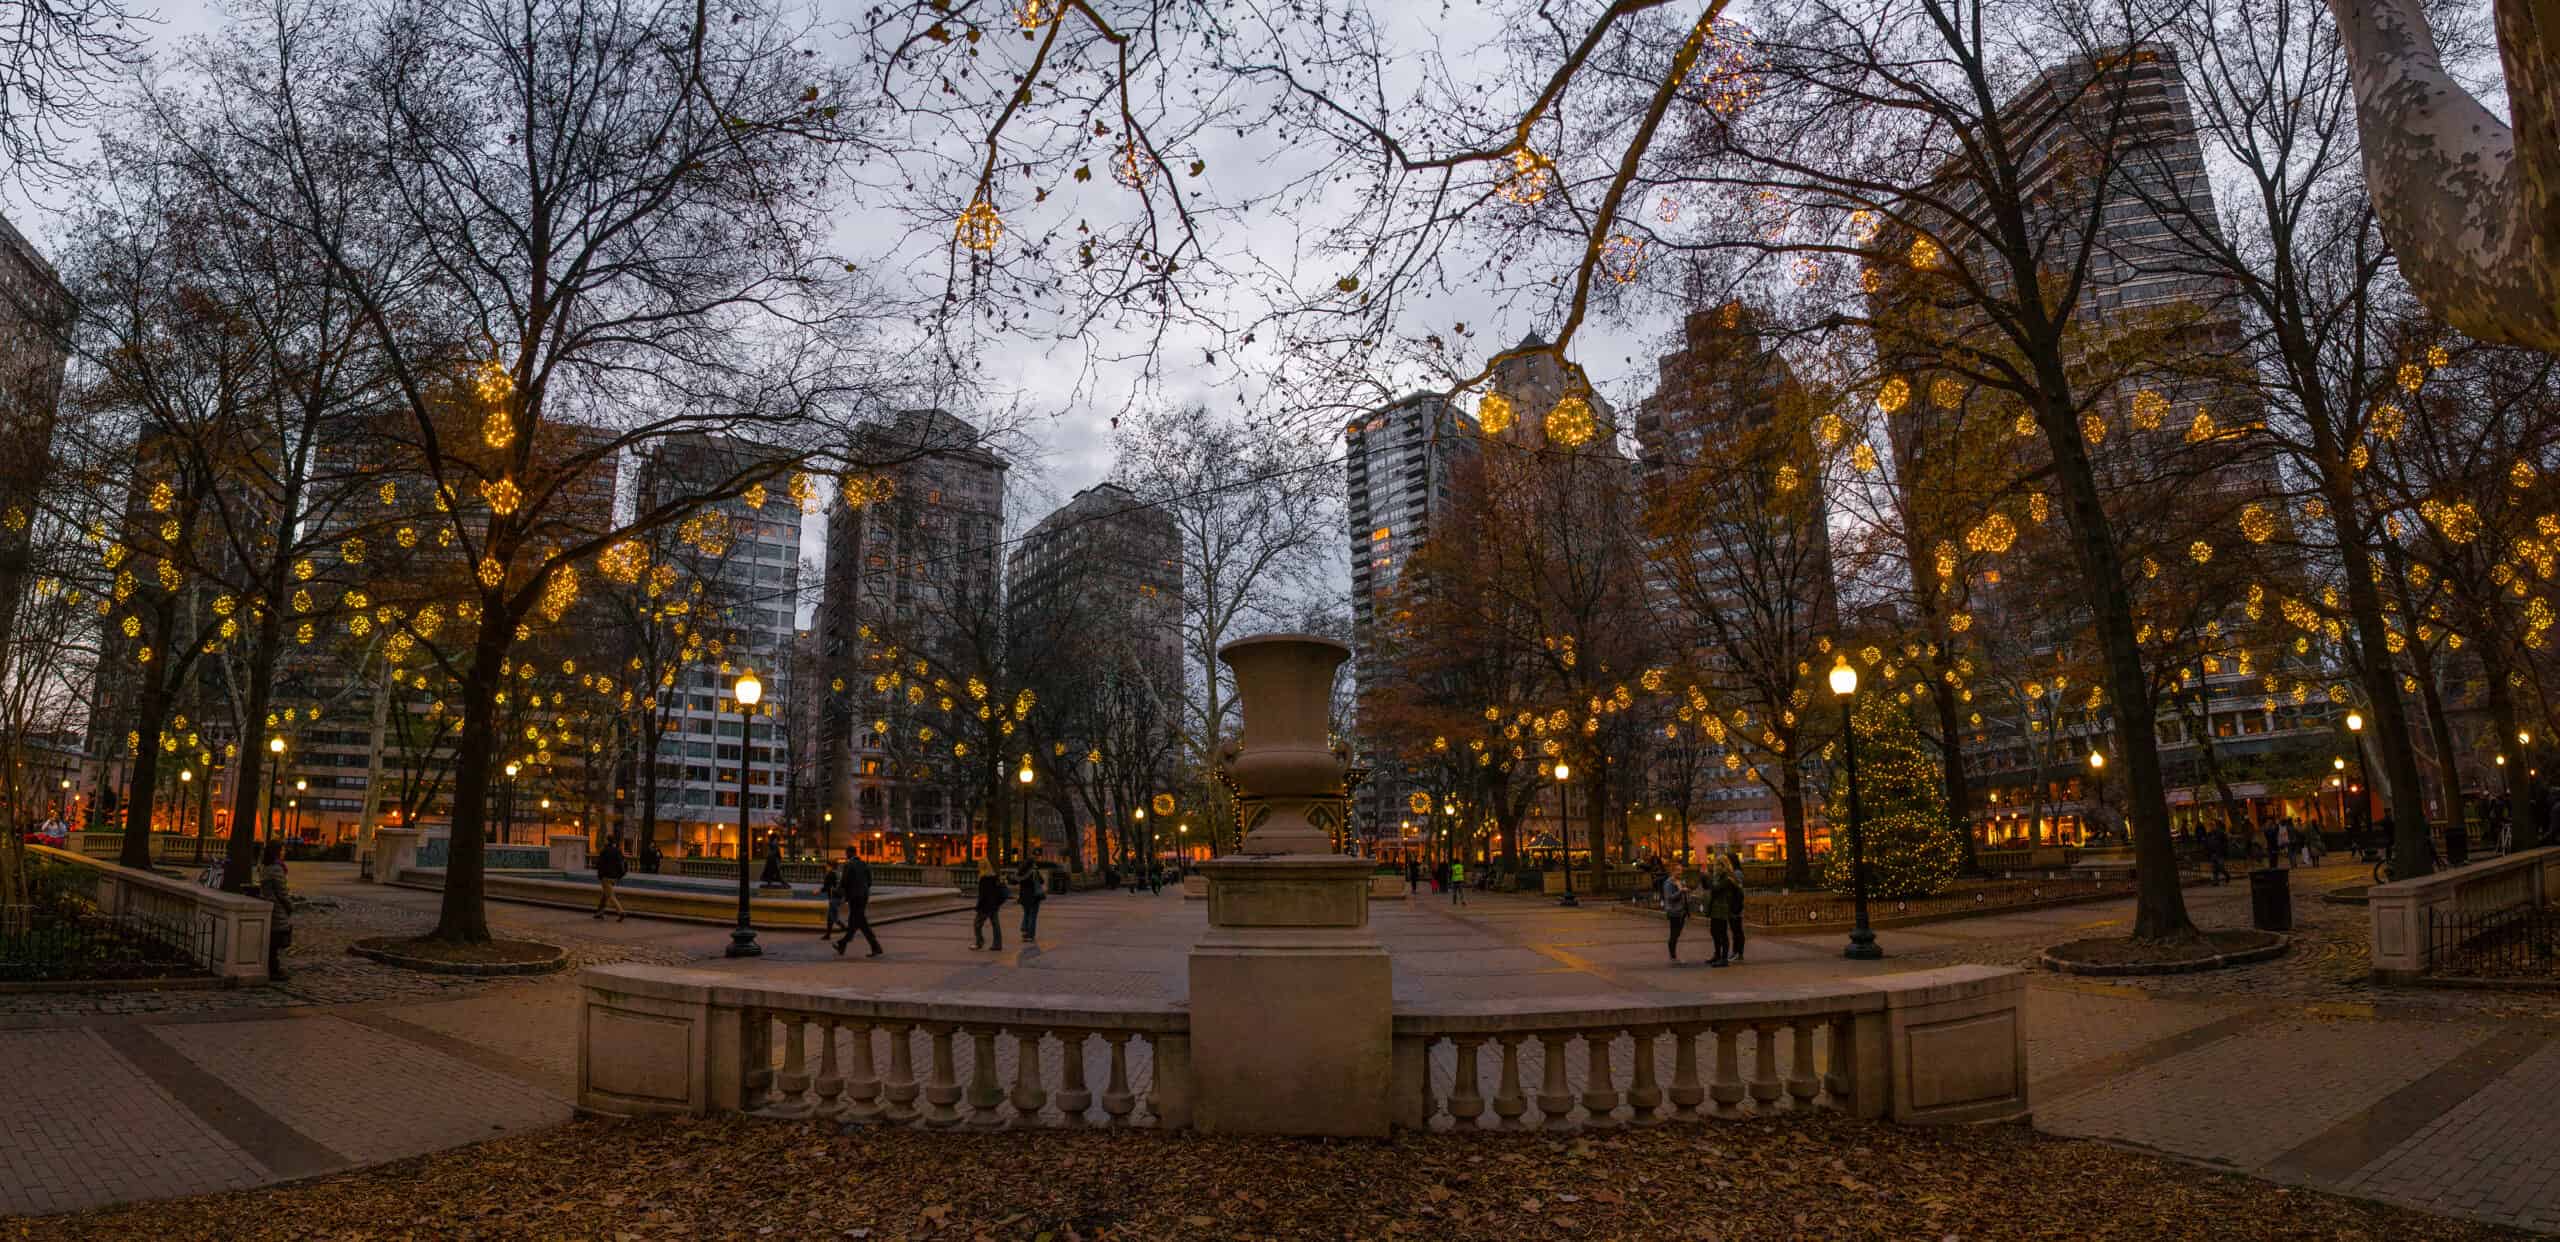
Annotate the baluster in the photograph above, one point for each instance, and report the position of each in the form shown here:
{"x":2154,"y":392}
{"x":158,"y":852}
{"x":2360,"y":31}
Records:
{"x":1466,"y":1104}
{"x":1726,"y":1091}
{"x":986,"y":1082}
{"x":1686,"y":1092}
{"x":1029,"y":1097}
{"x":1600,"y":1089}
{"x":1555,"y":1102}
{"x":1801,"y":1083}
{"x":901,"y":1084}
{"x":1074,"y":1098}
{"x":792,"y":1084}
{"x":1835,"y":1078}
{"x":1508,"y":1102}
{"x":830,"y":1079}
{"x":1644,"y":1097}
{"x":1764,"y":1068}
{"x":862,"y":1086}
{"x":755,"y":1092}
{"x":943,"y":1089}
{"x":1117,"y":1103}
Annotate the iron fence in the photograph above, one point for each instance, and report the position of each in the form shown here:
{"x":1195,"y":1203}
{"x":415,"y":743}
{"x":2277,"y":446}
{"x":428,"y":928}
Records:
{"x":2520,"y":942}
{"x":64,"y":940}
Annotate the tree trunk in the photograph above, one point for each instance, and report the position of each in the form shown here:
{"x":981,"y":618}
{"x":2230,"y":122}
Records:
{"x":464,"y":915}
{"x":2160,"y":906}
{"x":1791,"y":809}
{"x":139,"y":797}
{"x":1959,"y":790}
{"x":382,"y":692}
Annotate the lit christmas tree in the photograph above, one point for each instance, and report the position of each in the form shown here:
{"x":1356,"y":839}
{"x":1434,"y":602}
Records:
{"x":1902,"y":807}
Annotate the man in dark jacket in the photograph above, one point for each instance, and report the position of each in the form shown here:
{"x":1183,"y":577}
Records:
{"x":853,"y":889}
{"x":610,"y":868}
{"x":1030,"y":888}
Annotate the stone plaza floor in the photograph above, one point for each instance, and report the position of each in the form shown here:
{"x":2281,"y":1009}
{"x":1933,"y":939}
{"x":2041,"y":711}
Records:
{"x":2295,"y":1070}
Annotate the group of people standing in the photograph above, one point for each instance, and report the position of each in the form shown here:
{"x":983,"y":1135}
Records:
{"x":1448,"y":876}
{"x":1718,"y":895}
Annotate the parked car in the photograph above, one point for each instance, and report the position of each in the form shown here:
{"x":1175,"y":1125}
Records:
{"x":52,"y":832}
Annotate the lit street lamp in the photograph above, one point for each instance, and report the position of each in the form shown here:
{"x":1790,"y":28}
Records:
{"x":1564,"y":829}
{"x":275,"y":781}
{"x":1022,"y":803}
{"x":507,"y":825}
{"x":742,"y":942}
{"x":1862,"y":938}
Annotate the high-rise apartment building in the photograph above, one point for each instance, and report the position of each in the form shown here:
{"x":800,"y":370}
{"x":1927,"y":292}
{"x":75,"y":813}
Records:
{"x":1111,"y":564}
{"x":911,"y":561}
{"x":1397,"y":479}
{"x":35,"y":323}
{"x":749,"y":564}
{"x":1726,"y":450}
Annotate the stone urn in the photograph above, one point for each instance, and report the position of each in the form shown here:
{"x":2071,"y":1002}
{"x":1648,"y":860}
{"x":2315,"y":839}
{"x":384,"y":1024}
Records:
{"x":1288,"y":778}
{"x":1291,"y":997}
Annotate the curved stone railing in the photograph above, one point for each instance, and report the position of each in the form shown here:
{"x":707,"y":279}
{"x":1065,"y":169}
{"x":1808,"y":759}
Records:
{"x":1927,"y":1046}
{"x":662,"y":1040}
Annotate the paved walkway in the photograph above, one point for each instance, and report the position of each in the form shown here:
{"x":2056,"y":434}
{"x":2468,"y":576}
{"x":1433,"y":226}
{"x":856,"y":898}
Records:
{"x":2295,"y":1070}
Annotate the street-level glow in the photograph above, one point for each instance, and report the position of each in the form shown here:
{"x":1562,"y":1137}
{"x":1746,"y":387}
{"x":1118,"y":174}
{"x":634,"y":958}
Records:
{"x":2355,"y":722}
{"x":275,"y":745}
{"x":2098,"y":759}
{"x":1844,"y":679}
{"x":750,"y":691}
{"x":1564,"y":771}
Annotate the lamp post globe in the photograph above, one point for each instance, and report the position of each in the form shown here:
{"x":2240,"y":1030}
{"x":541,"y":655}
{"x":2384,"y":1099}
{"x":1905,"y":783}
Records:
{"x":2355,"y":722}
{"x":748,"y":692}
{"x":1862,"y":937}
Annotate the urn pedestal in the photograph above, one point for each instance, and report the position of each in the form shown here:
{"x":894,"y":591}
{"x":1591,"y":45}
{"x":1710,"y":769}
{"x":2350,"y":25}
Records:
{"x":1291,"y":998}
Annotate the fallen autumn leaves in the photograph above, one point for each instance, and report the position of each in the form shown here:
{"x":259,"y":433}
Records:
{"x":1817,"y":1177}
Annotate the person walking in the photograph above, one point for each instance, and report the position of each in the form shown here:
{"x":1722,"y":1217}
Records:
{"x":1675,"y":911}
{"x":990,"y":900}
{"x":2314,"y":844}
{"x":1458,"y":882}
{"x":1412,"y":876}
{"x":1720,"y":907}
{"x":2217,"y":848}
{"x":853,"y":888}
{"x":2275,"y":842}
{"x":1031,"y":888}
{"x":611,"y":866}
{"x":1733,"y":921}
{"x":272,"y":887}
{"x":830,"y":887}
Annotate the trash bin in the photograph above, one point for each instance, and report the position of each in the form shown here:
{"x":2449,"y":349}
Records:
{"x":2270,"y":900}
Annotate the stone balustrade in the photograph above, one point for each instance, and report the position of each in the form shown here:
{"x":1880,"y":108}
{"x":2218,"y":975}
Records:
{"x":658,"y":1040}
{"x":2404,"y":911}
{"x":1923,"y":1047}
{"x":226,"y":933}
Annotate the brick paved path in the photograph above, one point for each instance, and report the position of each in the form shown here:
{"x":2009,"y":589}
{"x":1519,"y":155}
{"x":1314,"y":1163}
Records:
{"x":2296,"y":1070}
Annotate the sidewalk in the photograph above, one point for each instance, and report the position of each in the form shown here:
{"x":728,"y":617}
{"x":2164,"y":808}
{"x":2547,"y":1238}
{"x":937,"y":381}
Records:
{"x":2294,"y":1070}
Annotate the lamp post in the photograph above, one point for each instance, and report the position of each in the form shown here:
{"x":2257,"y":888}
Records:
{"x":186,"y":782}
{"x":2355,"y":734}
{"x":1139,"y":817}
{"x":742,"y":942}
{"x":1862,"y":938}
{"x":1564,"y":829}
{"x":293,"y":823}
{"x":1022,"y":803}
{"x":275,"y":781}
{"x":507,"y":822}
{"x":2338,"y":765}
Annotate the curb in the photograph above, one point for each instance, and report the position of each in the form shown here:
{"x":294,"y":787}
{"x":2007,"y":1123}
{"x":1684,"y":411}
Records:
{"x":559,"y":959}
{"x":2243,"y":957}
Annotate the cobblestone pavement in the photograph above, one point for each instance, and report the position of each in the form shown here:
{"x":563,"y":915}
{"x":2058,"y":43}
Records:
{"x":2297,"y":1070}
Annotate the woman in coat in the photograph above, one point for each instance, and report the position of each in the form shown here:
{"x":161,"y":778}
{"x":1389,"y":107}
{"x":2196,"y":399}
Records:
{"x":990,"y":900}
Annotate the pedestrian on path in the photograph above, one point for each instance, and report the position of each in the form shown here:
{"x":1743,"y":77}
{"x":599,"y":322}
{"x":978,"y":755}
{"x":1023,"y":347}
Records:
{"x":2217,"y":849}
{"x":1733,"y":923}
{"x":611,"y":866}
{"x":1724,"y":901}
{"x":853,"y":887}
{"x":272,"y":887}
{"x":2314,"y":845}
{"x":2275,"y":844}
{"x":1458,"y":883}
{"x":1412,"y":876}
{"x":1675,"y":911}
{"x":1031,"y":888}
{"x":990,"y":900}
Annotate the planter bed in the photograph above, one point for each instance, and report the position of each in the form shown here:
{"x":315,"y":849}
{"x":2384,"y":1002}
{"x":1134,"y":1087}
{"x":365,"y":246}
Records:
{"x":494,"y":958}
{"x":2109,"y":956}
